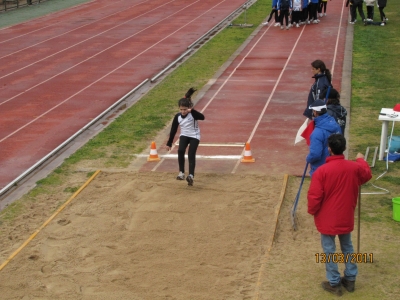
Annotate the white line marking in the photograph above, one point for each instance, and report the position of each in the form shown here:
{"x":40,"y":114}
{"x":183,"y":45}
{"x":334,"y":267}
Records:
{"x":337,"y":40}
{"x":228,"y":157}
{"x":217,"y":144}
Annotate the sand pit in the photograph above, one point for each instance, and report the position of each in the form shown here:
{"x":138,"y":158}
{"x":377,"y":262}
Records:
{"x":136,"y":235}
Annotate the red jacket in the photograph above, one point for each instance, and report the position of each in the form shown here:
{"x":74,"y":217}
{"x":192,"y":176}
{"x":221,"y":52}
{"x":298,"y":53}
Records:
{"x":332,"y":196}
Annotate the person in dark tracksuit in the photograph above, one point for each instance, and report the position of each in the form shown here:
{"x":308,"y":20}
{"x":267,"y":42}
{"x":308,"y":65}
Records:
{"x":323,"y":80}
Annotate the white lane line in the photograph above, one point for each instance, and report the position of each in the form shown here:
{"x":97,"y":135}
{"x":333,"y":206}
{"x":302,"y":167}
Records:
{"x":337,"y":40}
{"x":65,"y":49}
{"x":42,"y":28}
{"x":101,"y":78}
{"x":271,"y":95}
{"x":233,"y":72}
{"x":222,"y":157}
{"x":217,"y":144}
{"x":98,"y":53}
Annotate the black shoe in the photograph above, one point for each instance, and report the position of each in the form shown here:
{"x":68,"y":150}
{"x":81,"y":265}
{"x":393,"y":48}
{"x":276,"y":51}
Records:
{"x":336,"y":290}
{"x":347,"y":284}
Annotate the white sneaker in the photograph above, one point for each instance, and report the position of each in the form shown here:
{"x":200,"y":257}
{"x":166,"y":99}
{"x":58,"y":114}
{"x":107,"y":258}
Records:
{"x":265,"y":23}
{"x":315,"y":22}
{"x":321,"y":15}
{"x":308,"y":22}
{"x":351,"y":22}
{"x":181,"y":176}
{"x":297,"y":25}
{"x":386,"y":19}
{"x":282,"y":27}
{"x":287,"y":27}
{"x":290,"y":25}
{"x":189,"y":179}
{"x":324,"y":14}
{"x":277,"y":24}
{"x":383,"y":24}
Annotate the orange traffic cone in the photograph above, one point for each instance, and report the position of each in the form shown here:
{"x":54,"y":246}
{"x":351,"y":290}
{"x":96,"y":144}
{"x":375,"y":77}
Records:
{"x":247,"y":154}
{"x":153,"y":153}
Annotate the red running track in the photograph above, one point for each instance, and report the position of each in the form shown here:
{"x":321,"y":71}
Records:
{"x":261,"y":96}
{"x":60,"y":71}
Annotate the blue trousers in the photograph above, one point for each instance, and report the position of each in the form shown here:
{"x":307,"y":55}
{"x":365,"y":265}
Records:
{"x":329,"y":247}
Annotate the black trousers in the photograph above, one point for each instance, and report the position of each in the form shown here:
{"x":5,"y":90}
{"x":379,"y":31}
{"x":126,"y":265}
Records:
{"x":370,"y":12}
{"x":284,"y":14}
{"x":354,"y":7}
{"x":193,"y":143}
{"x":312,"y":11}
{"x":383,"y":16}
{"x":274,"y":12}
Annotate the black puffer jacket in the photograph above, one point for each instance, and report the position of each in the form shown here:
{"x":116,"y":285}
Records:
{"x":339,"y":113}
{"x":382,"y":3}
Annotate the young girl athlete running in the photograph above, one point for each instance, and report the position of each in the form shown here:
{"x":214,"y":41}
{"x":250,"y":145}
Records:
{"x":190,"y":135}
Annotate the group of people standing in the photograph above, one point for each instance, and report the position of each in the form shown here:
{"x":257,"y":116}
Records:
{"x":335,"y":182}
{"x":357,"y":5}
{"x":296,"y":12}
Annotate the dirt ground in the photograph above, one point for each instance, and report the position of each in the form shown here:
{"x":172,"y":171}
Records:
{"x":145,"y":235}
{"x":137,"y":235}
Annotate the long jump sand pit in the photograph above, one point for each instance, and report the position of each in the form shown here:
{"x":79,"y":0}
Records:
{"x":133,"y":235}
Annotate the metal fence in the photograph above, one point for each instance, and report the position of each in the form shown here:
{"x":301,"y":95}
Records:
{"x":14,"y":4}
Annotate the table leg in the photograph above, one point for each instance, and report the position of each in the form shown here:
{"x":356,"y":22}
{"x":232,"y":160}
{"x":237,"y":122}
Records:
{"x":384,"y":133}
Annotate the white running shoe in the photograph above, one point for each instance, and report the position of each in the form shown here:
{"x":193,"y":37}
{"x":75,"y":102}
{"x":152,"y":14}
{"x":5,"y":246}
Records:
{"x":315,"y":22}
{"x":265,"y":23}
{"x":383,"y":24}
{"x":297,"y":25}
{"x":287,"y":27}
{"x":277,"y":24}
{"x":189,"y":179}
{"x":181,"y":176}
{"x":282,"y":27}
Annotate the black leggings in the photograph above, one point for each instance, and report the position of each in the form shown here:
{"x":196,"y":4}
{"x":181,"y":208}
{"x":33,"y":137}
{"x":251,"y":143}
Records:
{"x":284,"y":14}
{"x":274,"y":12}
{"x":383,"y":17}
{"x":193,"y":143}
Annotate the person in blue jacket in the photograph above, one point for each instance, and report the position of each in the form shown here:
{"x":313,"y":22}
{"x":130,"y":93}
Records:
{"x":274,"y":12}
{"x":323,"y":79}
{"x":325,"y":125}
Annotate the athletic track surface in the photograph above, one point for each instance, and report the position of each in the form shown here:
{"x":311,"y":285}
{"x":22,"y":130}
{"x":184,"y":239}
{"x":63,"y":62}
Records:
{"x":60,"y":71}
{"x":261,"y":96}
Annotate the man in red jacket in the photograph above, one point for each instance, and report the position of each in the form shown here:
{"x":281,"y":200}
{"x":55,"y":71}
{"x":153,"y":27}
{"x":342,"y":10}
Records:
{"x":332,"y":199}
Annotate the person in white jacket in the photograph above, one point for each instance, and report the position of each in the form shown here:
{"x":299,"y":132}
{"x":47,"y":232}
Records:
{"x":370,"y":9}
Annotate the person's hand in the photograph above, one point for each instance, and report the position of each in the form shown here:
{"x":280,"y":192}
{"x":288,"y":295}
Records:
{"x":360,"y":155}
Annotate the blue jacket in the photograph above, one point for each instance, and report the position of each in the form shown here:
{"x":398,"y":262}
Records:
{"x":304,"y":4}
{"x":325,"y":125}
{"x":274,"y":3}
{"x":280,"y":3}
{"x":321,"y":83}
{"x":314,"y":1}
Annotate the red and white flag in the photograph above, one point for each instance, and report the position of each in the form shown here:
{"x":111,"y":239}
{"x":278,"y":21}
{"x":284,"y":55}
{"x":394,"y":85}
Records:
{"x":305,"y":131}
